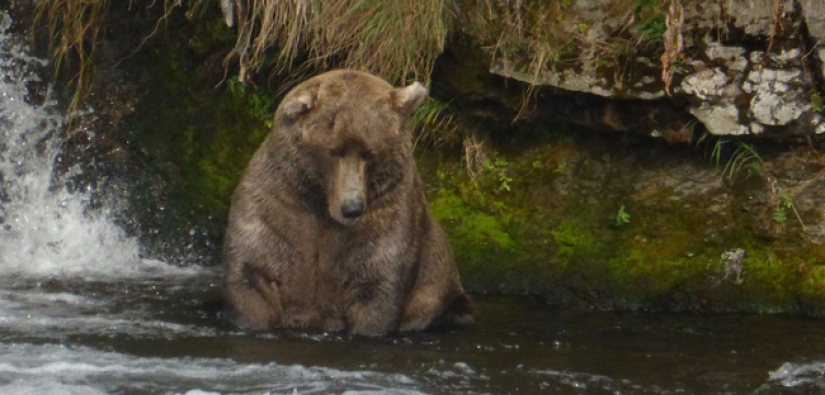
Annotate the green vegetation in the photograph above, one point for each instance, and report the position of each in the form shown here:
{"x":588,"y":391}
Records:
{"x":817,"y":103}
{"x":210,"y":134}
{"x":651,"y":24}
{"x":779,"y":215}
{"x":746,"y":160}
{"x":745,"y":157}
{"x":557,"y":230}
{"x":434,"y":124}
{"x":622,"y":218}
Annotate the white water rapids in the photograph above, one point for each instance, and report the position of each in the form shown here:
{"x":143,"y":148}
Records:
{"x":47,"y":232}
{"x":82,"y":313}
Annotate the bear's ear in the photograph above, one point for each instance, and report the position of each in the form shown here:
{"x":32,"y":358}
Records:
{"x":407,"y":99}
{"x":298,"y":104}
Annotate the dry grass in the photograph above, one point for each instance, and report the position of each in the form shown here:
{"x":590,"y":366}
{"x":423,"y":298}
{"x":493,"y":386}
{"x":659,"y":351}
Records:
{"x":395,"y":39}
{"x":73,"y":27}
{"x":520,"y":29}
{"x":536,"y":37}
{"x":434,"y":124}
{"x":475,"y":154}
{"x":672,"y":40}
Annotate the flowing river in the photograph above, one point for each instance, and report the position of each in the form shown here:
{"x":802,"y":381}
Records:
{"x":82,"y":313}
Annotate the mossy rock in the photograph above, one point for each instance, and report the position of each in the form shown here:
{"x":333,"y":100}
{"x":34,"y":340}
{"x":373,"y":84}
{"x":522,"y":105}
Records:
{"x":554,"y":230}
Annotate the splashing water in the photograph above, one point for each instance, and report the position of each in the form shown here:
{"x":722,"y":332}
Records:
{"x":808,"y":375}
{"x":50,"y":369}
{"x":44,"y":229}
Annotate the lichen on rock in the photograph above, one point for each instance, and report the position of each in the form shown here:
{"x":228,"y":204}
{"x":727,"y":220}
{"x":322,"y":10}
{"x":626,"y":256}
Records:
{"x":738,"y":55}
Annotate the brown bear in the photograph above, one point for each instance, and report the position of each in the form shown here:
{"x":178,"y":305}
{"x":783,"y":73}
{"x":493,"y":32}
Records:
{"x":329,"y":228}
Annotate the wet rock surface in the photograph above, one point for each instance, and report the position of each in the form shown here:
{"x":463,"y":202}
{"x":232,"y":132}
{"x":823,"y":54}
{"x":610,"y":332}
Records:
{"x":743,"y":68}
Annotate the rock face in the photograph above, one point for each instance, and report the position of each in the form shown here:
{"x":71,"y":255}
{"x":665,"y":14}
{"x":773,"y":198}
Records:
{"x":743,"y":68}
{"x":745,"y":236}
{"x":630,"y":223}
{"x":814,"y":14}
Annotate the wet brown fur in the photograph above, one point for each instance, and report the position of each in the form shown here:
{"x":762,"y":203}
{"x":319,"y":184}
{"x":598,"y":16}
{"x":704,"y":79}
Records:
{"x":292,"y":261}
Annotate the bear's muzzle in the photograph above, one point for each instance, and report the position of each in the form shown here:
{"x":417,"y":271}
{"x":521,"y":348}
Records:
{"x":348,"y":195}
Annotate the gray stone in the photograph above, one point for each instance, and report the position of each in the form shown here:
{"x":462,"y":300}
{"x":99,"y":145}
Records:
{"x":814,"y":13}
{"x":732,"y":89}
{"x":720,"y":119}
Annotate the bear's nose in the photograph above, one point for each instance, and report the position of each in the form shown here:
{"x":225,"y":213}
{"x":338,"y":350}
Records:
{"x":352,"y":209}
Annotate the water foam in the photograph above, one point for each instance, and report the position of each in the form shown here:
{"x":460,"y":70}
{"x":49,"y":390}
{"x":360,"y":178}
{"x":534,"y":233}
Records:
{"x":55,"y":369}
{"x":803,"y":374}
{"x":28,"y":314}
{"x":45,"y":230}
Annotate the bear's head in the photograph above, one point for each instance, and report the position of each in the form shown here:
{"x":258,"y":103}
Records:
{"x":353,"y":136}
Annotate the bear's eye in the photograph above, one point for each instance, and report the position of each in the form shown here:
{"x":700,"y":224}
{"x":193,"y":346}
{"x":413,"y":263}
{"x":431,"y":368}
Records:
{"x":336,"y":152}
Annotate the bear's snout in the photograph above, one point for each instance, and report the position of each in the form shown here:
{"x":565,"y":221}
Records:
{"x":347,"y":197}
{"x":353,"y":208}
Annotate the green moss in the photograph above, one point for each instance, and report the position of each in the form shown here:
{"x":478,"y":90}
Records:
{"x":209,"y":133}
{"x":776,"y":279}
{"x":812,"y":285}
{"x":649,"y":272}
{"x":574,"y":245}
{"x":478,"y":238}
{"x":554,"y":232}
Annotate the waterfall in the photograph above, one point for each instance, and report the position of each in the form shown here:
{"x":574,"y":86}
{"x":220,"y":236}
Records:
{"x":46,"y":230}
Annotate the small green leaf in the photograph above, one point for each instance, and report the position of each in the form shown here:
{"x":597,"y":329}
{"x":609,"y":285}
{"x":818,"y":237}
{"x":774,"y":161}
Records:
{"x":622,"y":218}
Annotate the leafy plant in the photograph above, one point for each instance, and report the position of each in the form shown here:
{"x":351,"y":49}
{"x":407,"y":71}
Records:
{"x":505,"y":180}
{"x":499,"y":166}
{"x":236,"y":88}
{"x":817,"y":102}
{"x":716,"y":153}
{"x":622,"y":217}
{"x":560,"y":168}
{"x":651,"y":25}
{"x":745,"y":157}
{"x":431,"y":113}
{"x":433,"y":123}
{"x":779,"y":215}
{"x":258,"y":104}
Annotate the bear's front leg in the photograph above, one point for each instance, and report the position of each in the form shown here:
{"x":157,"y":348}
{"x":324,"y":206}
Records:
{"x":253,"y":302}
{"x":253,"y":256}
{"x":374,"y":308}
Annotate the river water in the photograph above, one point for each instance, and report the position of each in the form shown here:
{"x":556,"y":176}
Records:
{"x":82,"y":313}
